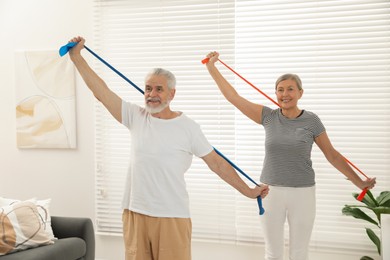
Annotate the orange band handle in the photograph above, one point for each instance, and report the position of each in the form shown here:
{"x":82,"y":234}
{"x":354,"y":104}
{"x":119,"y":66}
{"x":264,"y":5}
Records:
{"x":361,"y":195}
{"x":205,"y":60}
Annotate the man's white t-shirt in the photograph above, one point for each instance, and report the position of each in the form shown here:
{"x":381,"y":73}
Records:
{"x":161,"y":152}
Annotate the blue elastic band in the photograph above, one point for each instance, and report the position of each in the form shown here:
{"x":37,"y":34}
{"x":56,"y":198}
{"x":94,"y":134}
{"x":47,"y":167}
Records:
{"x":65,"y":49}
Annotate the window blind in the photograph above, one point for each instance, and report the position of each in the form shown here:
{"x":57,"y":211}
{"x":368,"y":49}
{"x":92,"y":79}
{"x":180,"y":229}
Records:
{"x":136,"y":36}
{"x":338,"y":48}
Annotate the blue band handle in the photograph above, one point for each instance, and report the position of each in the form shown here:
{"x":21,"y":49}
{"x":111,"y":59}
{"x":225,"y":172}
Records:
{"x":65,"y":49}
{"x":260,"y":203}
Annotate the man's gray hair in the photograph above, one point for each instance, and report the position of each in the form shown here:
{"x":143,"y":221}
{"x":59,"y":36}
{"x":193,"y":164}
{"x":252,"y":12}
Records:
{"x":290,"y":76}
{"x":171,"y":79}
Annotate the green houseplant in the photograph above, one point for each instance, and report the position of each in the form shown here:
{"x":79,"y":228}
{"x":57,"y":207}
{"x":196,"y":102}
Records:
{"x":379,"y":205}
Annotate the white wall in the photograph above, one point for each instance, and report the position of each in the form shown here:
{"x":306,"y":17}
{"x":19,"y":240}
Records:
{"x":67,"y":176}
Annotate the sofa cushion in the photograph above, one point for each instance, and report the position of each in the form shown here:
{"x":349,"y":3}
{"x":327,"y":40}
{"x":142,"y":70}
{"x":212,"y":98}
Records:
{"x":71,"y":248}
{"x":21,"y":228}
{"x":43,"y":209}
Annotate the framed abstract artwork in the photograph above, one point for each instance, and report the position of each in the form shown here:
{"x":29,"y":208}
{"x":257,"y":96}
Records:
{"x":45,"y":100}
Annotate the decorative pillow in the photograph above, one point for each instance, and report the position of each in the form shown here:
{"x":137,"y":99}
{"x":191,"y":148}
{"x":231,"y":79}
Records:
{"x":21,"y":228}
{"x":43,"y":210}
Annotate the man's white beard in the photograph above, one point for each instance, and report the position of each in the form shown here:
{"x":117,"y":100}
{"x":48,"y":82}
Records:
{"x":158,"y":109}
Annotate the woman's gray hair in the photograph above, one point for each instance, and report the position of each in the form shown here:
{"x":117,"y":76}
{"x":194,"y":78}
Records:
{"x":289,"y":76}
{"x":171,"y":79}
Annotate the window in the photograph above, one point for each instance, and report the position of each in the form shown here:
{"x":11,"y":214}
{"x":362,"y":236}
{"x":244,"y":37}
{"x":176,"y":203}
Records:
{"x":339,"y":49}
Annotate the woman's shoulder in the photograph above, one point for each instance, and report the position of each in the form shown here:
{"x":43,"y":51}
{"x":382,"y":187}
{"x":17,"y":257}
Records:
{"x":310,"y":114}
{"x":268,"y":110}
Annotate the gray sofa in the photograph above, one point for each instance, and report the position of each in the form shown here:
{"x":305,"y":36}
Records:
{"x":76,"y":241}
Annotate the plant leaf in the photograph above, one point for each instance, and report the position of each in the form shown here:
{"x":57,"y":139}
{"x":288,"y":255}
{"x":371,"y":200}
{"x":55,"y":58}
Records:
{"x":374,"y":238}
{"x":384,"y":199}
{"x":357,"y":213}
{"x":366,"y":258}
{"x":369,"y":199}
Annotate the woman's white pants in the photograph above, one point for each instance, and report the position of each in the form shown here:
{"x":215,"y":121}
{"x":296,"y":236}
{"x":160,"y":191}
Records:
{"x":298,"y":206}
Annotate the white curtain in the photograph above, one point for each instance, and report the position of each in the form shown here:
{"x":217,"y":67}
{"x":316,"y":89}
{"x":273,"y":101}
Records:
{"x":338,"y":48}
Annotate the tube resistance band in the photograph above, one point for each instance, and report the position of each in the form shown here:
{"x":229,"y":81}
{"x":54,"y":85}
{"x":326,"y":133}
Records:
{"x":364,"y":191}
{"x":65,"y":49}
{"x":205,"y":60}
